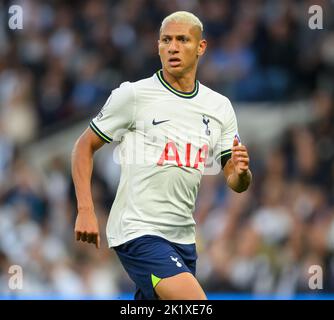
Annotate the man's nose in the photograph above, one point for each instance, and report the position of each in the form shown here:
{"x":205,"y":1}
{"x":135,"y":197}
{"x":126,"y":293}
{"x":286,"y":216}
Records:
{"x":173,"y":47}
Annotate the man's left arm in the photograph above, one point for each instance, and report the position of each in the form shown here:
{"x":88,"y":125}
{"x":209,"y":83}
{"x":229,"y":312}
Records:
{"x":236,"y":170}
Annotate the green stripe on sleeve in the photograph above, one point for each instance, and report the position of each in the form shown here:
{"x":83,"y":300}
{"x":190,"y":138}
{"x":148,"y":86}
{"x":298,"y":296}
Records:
{"x":223,"y":154}
{"x":99,"y":132}
{"x":224,"y":157}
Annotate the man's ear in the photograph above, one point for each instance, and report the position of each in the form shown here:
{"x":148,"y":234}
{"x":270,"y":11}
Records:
{"x":202,"y":47}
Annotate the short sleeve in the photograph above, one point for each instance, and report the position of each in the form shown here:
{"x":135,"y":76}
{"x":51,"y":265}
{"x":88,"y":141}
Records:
{"x":229,"y":130}
{"x":117,"y":114}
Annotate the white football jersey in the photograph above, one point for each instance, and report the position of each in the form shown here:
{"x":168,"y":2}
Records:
{"x":167,"y":139}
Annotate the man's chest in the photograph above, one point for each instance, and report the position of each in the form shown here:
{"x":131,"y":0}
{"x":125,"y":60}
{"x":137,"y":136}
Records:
{"x":179,"y":132}
{"x":181,"y":121}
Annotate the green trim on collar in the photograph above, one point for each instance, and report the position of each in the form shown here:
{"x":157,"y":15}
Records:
{"x":181,"y":94}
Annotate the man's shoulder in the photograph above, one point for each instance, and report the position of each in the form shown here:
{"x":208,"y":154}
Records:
{"x":214,"y":95}
{"x":144,"y":83}
{"x":129,"y":88}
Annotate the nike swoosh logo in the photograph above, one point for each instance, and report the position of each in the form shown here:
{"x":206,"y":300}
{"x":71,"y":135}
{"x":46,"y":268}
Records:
{"x":158,"y":122}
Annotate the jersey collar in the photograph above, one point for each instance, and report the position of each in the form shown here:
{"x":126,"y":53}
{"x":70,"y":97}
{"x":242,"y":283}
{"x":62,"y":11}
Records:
{"x":181,"y":94}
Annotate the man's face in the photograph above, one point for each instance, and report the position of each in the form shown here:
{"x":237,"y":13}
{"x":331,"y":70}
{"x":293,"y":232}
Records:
{"x":180,"y":45}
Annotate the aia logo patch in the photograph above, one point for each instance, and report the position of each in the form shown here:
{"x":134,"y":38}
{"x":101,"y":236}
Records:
{"x":171,"y":153}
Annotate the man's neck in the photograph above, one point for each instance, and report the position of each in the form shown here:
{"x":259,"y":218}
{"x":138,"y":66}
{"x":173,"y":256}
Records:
{"x":184,"y":83}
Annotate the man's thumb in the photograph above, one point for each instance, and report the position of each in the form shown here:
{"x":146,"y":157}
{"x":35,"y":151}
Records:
{"x":235,"y":142}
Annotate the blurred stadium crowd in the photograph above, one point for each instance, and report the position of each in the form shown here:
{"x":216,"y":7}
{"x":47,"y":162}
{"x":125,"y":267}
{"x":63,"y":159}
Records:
{"x":60,"y":69}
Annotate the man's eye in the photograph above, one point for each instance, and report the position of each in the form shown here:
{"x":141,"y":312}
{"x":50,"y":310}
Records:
{"x":165,"y":40}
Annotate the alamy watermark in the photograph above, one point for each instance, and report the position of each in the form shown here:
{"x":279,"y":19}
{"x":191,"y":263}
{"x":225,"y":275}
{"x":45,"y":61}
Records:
{"x":16,"y":17}
{"x":15,"y":281}
{"x":177,"y":146}
{"x":315,"y":281}
{"x":315,"y":21}
{"x":15,"y":20}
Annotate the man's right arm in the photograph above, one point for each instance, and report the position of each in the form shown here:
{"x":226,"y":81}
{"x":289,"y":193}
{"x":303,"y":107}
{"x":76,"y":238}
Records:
{"x":86,"y":226}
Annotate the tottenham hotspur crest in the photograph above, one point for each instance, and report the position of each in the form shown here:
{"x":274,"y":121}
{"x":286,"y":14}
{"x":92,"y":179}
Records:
{"x":206,"y":122}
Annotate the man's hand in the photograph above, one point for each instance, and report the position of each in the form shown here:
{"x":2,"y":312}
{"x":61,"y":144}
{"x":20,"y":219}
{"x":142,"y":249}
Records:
{"x":236,"y":171}
{"x":240,"y":158}
{"x":86,"y":227}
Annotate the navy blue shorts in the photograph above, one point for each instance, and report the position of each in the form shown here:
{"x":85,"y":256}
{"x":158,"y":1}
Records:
{"x":148,"y":259}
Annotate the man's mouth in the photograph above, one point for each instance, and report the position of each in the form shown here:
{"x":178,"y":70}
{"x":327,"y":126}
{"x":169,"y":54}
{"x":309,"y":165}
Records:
{"x":174,"y":62}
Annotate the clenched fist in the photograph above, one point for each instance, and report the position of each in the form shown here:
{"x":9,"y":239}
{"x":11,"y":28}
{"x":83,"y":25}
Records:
{"x":87,"y":228}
